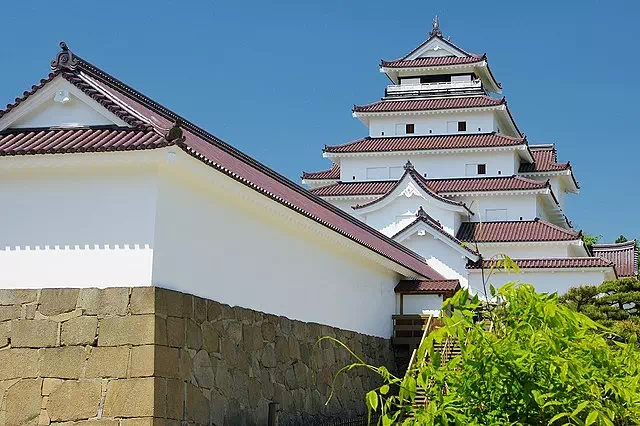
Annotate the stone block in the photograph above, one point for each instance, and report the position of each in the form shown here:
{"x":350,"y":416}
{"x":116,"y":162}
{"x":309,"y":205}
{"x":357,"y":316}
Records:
{"x":131,"y":330}
{"x":49,"y":385}
{"x":95,"y":422}
{"x":5,"y":333}
{"x":194,"y":335}
{"x":130,"y":398}
{"x":64,"y":363}
{"x":142,"y":362}
{"x":34,"y":333}
{"x":29,"y":310}
{"x":107,"y":362}
{"x":175,"y":332}
{"x":17,"y":297}
{"x":146,"y":421}
{"x":268,"y":331}
{"x":199,"y":309}
{"x":74,"y":400}
{"x":166,"y":362}
{"x":79,"y":331}
{"x":18,"y":363}
{"x":55,"y":301}
{"x":202,"y":370}
{"x":268,"y":358}
{"x":169,"y":302}
{"x":143,"y":300}
{"x":197,"y":405}
{"x":233,"y":330}
{"x":23,"y":402}
{"x":210,"y":337}
{"x":10,"y":312}
{"x":104,"y":302}
{"x":175,"y":399}
{"x":214,"y":310}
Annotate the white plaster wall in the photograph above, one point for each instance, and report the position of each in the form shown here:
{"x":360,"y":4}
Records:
{"x":431,"y":165}
{"x":52,"y":113}
{"x":419,"y":304}
{"x":529,"y":251}
{"x":434,"y":124}
{"x":444,"y":259}
{"x":69,"y":227}
{"x":401,"y":211}
{"x":544,"y":281}
{"x":212,"y":242}
{"x":517,"y":206}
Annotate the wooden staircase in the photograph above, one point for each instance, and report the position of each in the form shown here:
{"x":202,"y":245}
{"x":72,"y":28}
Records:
{"x":447,"y":350}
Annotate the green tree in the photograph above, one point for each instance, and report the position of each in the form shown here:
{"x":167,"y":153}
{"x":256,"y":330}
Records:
{"x":543,"y":364}
{"x":590,"y":240}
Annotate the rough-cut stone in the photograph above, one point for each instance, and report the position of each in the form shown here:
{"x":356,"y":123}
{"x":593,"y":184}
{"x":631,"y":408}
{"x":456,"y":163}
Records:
{"x":175,"y":332}
{"x":210,"y":337}
{"x":107,"y":362}
{"x":74,"y":400}
{"x":143,"y":300}
{"x":202,"y":370}
{"x":54,"y":301}
{"x":169,"y":303}
{"x":197,"y":406}
{"x":49,"y":385}
{"x":23,"y":402}
{"x":130,"y":398}
{"x":142,"y":364}
{"x":5,"y":333}
{"x":175,"y":399}
{"x":10,"y":312}
{"x":268,"y":358}
{"x":29,"y":310}
{"x":17,"y":297}
{"x":268,"y":331}
{"x":214,"y":310}
{"x":199,"y":309}
{"x":104,"y":302}
{"x":79,"y":331}
{"x":34,"y":333}
{"x":166,"y":361}
{"x":131,"y":330}
{"x":18,"y":363}
{"x":64,"y":363}
{"x":194,"y":335}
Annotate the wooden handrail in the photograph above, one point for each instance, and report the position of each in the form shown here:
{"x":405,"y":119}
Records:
{"x":424,"y":336}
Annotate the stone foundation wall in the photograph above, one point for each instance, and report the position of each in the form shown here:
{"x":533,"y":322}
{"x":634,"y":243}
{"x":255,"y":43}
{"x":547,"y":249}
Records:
{"x":148,"y":356}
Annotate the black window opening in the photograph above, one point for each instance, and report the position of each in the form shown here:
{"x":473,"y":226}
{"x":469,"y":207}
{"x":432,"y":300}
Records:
{"x":462,"y":126}
{"x":482,"y":169}
{"x":410,"y":128}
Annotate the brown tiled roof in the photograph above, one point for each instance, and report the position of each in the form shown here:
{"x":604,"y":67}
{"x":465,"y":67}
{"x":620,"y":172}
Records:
{"x":481,"y":184}
{"x":624,"y":255}
{"x":332,"y":173}
{"x":55,"y":141}
{"x":526,"y":230}
{"x":551,"y":263}
{"x":419,"y":143}
{"x":432,"y":61}
{"x":226,"y":159}
{"x":455,"y":185}
{"x":545,"y":160}
{"x":430,"y":104}
{"x":428,"y":287}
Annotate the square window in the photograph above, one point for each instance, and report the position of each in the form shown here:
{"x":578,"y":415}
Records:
{"x":482,"y":169}
{"x":462,"y":126}
{"x":410,"y":128}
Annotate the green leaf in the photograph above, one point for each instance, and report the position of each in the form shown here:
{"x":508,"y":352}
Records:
{"x":372,"y":400}
{"x":384,"y":389}
{"x":591,"y":418}
{"x":579,"y":408}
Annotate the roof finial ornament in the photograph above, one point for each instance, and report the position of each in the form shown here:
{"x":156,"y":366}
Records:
{"x":435,"y":31}
{"x":408,"y":165}
{"x":64,"y":59}
{"x":421,"y":213}
{"x":175,"y":133}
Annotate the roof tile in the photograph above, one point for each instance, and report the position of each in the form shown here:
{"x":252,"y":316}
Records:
{"x":528,"y":230}
{"x":550,"y":263}
{"x":427,"y":287}
{"x":332,"y":173}
{"x":432,"y":61}
{"x":430,"y":104}
{"x":624,"y":255}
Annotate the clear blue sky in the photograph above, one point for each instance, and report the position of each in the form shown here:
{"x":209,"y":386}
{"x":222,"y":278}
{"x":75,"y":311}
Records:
{"x":278,"y":79}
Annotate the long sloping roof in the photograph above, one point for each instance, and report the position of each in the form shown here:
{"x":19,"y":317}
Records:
{"x":453,"y":185}
{"x":144,"y":112}
{"x":430,"y":142}
{"x":624,"y":255}
{"x":545,"y":160}
{"x":430,"y":104}
{"x":524,"y":230}
{"x":550,"y":263}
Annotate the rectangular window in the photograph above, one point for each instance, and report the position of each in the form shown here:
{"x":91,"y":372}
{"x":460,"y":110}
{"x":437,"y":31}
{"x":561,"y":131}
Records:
{"x":396,"y":172}
{"x":482,"y":169}
{"x":410,"y":128}
{"x":377,"y":173}
{"x":462,"y":126}
{"x":495,"y":215}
